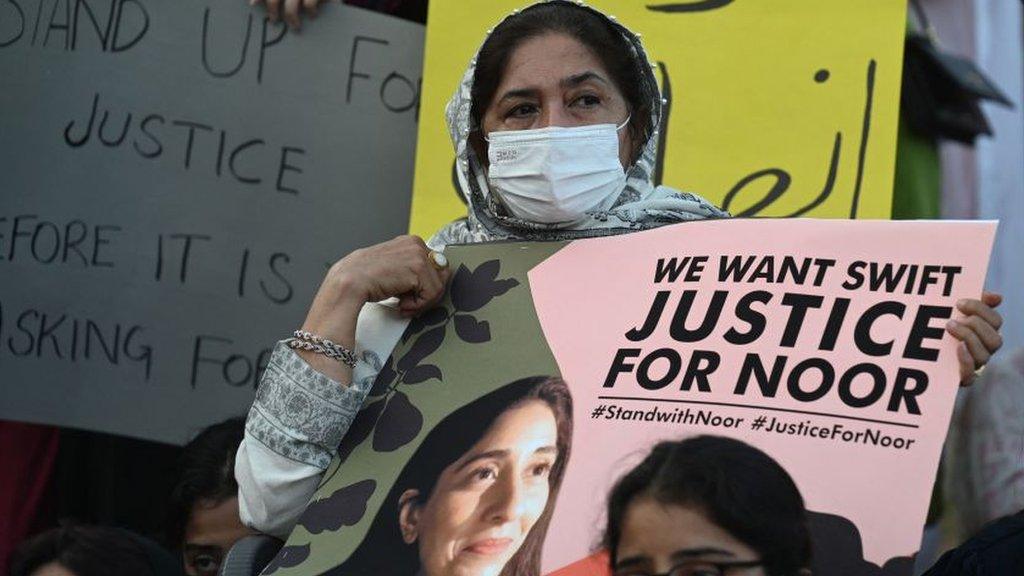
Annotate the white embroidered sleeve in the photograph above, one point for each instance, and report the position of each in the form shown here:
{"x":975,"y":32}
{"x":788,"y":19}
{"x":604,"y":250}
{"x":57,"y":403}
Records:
{"x":299,"y":413}
{"x":297,"y":421}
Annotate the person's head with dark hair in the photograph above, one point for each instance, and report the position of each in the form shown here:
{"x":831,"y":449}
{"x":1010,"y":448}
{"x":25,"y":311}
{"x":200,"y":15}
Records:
{"x":562,"y":64}
{"x":477,"y":496}
{"x":708,"y":506}
{"x":203,"y":521}
{"x":556,"y":130}
{"x":81,"y":551}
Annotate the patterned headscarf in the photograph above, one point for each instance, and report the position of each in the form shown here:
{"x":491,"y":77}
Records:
{"x":640,"y":206}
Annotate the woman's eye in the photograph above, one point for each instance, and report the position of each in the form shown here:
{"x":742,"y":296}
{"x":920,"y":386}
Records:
{"x":521,"y":111}
{"x":700,"y":569}
{"x":542,"y":469}
{"x":206,"y":565}
{"x":587,"y":101}
{"x":485,"y":474}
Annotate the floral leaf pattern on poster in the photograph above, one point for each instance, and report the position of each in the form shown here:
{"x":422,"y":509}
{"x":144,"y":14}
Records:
{"x":423,"y":321}
{"x":424,"y":345}
{"x":287,"y":557}
{"x":470,"y":329}
{"x":439,"y":363}
{"x":385,"y":378}
{"x":362,"y":426}
{"x":422,"y":373}
{"x":472,"y":290}
{"x":398,"y":425}
{"x":390,"y":417}
{"x":345,"y":507}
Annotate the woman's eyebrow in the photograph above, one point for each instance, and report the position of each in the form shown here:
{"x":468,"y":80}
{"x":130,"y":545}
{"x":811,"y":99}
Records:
{"x":631,"y":561}
{"x":687,"y":553}
{"x":677,"y":556}
{"x":489,"y":455}
{"x":499,"y":454}
{"x":199,"y":548}
{"x":520,"y":93}
{"x":569,"y":82}
{"x":577,"y":79}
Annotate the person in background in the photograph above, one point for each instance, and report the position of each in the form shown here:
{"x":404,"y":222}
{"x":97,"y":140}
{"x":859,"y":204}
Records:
{"x":996,"y":550}
{"x":707,"y":506}
{"x":985,"y":449}
{"x":90,"y":551}
{"x":203,"y":521}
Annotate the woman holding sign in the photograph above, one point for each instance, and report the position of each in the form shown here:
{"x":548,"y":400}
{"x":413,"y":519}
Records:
{"x":555,"y":126}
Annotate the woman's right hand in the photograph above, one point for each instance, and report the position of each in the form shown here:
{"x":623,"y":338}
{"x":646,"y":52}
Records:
{"x":400,"y":268}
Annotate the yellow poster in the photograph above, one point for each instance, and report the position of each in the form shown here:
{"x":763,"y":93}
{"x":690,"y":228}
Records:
{"x":776,"y":107}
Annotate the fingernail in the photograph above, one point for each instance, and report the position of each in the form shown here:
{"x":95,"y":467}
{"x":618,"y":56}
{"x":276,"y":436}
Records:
{"x":961,"y":303}
{"x":952,"y":324}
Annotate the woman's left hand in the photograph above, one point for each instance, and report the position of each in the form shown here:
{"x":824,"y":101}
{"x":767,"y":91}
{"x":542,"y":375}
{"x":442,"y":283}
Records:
{"x":978,"y":333}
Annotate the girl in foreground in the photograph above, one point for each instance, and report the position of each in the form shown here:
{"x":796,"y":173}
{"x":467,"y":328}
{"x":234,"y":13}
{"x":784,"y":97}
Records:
{"x":707,"y":506}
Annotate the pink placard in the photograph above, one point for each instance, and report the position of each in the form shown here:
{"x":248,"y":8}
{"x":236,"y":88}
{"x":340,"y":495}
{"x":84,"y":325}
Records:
{"x":863,"y":395}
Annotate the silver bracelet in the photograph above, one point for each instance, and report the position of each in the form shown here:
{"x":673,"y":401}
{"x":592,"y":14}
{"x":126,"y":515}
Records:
{"x":303,"y":340}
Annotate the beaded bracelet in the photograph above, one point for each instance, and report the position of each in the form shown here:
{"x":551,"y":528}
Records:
{"x":303,"y":340}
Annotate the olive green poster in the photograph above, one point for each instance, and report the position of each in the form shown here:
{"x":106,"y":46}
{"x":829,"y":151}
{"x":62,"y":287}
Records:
{"x":464,"y":363}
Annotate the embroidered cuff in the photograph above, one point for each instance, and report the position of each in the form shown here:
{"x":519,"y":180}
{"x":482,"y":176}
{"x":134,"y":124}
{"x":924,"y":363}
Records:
{"x":299,"y":413}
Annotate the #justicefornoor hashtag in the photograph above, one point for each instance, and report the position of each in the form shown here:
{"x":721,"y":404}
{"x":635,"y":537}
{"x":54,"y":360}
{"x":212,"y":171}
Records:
{"x":764,"y":424}
{"x":837,"y":432}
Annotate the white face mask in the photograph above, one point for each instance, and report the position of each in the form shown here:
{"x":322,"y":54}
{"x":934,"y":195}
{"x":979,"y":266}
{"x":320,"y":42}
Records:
{"x":556,"y":175}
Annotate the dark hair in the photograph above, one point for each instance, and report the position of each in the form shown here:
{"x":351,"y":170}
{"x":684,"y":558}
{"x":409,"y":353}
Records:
{"x":592,"y":29}
{"x":738,"y":487}
{"x":84,"y":551}
{"x":384,"y":552}
{"x":206,"y":474}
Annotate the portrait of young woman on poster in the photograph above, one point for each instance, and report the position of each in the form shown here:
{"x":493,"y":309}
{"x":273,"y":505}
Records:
{"x":477,"y":496}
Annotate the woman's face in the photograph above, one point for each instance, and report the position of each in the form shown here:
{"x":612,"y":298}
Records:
{"x":657,"y":538}
{"x":212,"y":529}
{"x":485,"y":503}
{"x":554,"y":80}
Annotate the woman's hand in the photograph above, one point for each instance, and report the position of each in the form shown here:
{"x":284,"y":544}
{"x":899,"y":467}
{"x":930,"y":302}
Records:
{"x":291,"y":10}
{"x":978,"y":333}
{"x":401,"y":268}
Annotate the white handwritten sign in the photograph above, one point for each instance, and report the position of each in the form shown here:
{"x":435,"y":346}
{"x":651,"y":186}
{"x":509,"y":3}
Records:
{"x":175,"y":178}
